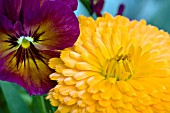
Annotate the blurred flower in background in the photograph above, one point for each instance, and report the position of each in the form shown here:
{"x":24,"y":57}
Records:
{"x":31,"y":32}
{"x":97,"y":6}
{"x":116,"y":66}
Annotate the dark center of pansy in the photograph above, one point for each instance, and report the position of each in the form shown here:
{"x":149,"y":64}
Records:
{"x":119,"y":67}
{"x":25,"y":41}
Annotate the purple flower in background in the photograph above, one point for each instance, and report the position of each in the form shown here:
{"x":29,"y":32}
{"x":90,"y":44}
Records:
{"x":31,"y":32}
{"x":121,"y":9}
{"x":97,"y":6}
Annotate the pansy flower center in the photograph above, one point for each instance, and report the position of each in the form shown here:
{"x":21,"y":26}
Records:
{"x":25,"y":41}
{"x":119,"y":67}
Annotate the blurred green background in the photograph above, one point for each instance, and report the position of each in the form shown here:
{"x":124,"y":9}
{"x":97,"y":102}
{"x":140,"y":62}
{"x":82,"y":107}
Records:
{"x":14,"y":99}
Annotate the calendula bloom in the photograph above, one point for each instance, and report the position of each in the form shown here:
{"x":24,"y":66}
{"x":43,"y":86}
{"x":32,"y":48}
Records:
{"x":31,"y":32}
{"x":116,"y":66}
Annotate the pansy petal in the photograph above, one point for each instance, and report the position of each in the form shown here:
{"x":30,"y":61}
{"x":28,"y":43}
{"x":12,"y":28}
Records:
{"x":71,"y":3}
{"x":31,"y":73}
{"x":5,"y":25}
{"x":59,"y":32}
{"x":11,"y":9}
{"x":35,"y":32}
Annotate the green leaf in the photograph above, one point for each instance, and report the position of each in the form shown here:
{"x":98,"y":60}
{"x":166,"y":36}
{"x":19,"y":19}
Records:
{"x":3,"y":105}
{"x":38,"y":104}
{"x":13,"y":99}
{"x":87,"y":4}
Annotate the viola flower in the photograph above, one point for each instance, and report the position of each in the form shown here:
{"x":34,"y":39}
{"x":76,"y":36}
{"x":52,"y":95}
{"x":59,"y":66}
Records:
{"x":121,"y":9}
{"x":116,"y":66}
{"x":31,"y":32}
{"x":97,"y":6}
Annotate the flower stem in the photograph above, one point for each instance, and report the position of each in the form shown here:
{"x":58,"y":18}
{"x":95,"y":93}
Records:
{"x":42,"y":104}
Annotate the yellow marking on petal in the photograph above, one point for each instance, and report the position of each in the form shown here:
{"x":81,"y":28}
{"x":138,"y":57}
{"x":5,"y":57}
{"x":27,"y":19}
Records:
{"x":25,"y":43}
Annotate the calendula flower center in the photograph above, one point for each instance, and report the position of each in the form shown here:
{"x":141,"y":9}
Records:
{"x":25,"y":41}
{"x":119,"y":67}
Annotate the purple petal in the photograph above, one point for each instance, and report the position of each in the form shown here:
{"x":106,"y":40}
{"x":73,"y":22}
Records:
{"x":59,"y":24}
{"x":11,"y":9}
{"x":71,"y":3}
{"x":5,"y":24}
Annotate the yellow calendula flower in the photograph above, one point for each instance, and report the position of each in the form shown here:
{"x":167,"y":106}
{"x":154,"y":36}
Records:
{"x":116,"y":66}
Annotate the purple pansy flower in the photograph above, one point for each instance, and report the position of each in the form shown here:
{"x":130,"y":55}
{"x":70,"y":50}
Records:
{"x":31,"y":32}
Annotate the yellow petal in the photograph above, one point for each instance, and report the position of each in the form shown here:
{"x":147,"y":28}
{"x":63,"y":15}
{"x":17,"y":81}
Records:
{"x":69,"y":81}
{"x":86,"y":66}
{"x":84,"y":74}
{"x":70,"y":101}
{"x":105,"y":103}
{"x":81,"y":84}
{"x":91,"y":108}
{"x":94,"y":80}
{"x":54,"y":61}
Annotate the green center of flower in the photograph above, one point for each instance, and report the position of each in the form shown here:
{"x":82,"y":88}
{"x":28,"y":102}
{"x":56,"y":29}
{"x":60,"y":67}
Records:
{"x":119,"y":67}
{"x":25,"y":41}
